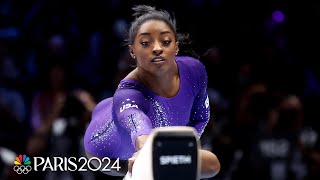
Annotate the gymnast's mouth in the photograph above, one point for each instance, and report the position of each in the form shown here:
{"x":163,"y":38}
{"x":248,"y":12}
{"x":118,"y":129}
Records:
{"x":157,"y":59}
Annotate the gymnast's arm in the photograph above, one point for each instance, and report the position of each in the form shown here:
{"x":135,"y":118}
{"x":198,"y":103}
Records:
{"x":200,"y":116}
{"x":133,"y":119}
{"x":210,"y":165}
{"x":129,"y":107}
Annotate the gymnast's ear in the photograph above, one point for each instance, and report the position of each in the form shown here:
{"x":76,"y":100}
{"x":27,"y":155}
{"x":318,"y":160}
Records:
{"x":131,"y":51}
{"x":177,"y":47}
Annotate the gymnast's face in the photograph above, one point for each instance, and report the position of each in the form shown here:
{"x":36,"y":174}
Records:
{"x":154,"y":47}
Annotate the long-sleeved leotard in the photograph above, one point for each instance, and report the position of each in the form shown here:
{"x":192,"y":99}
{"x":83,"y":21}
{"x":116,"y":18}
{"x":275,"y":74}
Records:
{"x":135,"y":110}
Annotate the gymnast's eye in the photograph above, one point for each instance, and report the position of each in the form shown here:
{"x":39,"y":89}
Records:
{"x":145,"y":43}
{"x":166,"y":43}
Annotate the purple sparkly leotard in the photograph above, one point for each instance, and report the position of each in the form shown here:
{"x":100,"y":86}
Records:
{"x":135,"y":110}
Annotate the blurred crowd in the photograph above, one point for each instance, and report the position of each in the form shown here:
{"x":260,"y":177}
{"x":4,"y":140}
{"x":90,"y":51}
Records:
{"x":58,"y":59}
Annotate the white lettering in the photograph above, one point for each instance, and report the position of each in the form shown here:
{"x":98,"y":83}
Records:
{"x":126,"y":106}
{"x":116,"y":165}
{"x":47,"y":164}
{"x":72,"y":164}
{"x":57,"y":164}
{"x":175,"y":159}
{"x":36,"y":164}
{"x":65,"y":164}
{"x":85,"y":161}
{"x":99,"y":164}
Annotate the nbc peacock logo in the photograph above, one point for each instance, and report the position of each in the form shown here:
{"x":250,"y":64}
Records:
{"x":22,"y":164}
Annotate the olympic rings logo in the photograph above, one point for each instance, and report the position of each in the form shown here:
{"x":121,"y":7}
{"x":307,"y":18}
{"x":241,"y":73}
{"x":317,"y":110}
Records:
{"x":21,"y":169}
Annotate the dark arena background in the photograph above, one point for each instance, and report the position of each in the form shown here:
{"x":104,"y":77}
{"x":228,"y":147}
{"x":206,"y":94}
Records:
{"x":59,"y":58}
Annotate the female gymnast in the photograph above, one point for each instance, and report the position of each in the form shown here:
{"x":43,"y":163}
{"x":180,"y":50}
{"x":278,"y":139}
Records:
{"x":163,"y":90}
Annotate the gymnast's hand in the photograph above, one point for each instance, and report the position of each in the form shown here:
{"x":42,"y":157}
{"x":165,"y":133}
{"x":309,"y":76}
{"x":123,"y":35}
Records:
{"x":140,"y":141}
{"x":131,"y":161}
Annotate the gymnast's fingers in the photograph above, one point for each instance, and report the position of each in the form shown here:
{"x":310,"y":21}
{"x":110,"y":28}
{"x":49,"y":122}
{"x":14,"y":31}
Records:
{"x":131,"y":161}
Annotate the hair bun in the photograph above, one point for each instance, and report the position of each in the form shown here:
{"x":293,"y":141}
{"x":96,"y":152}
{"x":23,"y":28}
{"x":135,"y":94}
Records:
{"x":140,"y":10}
